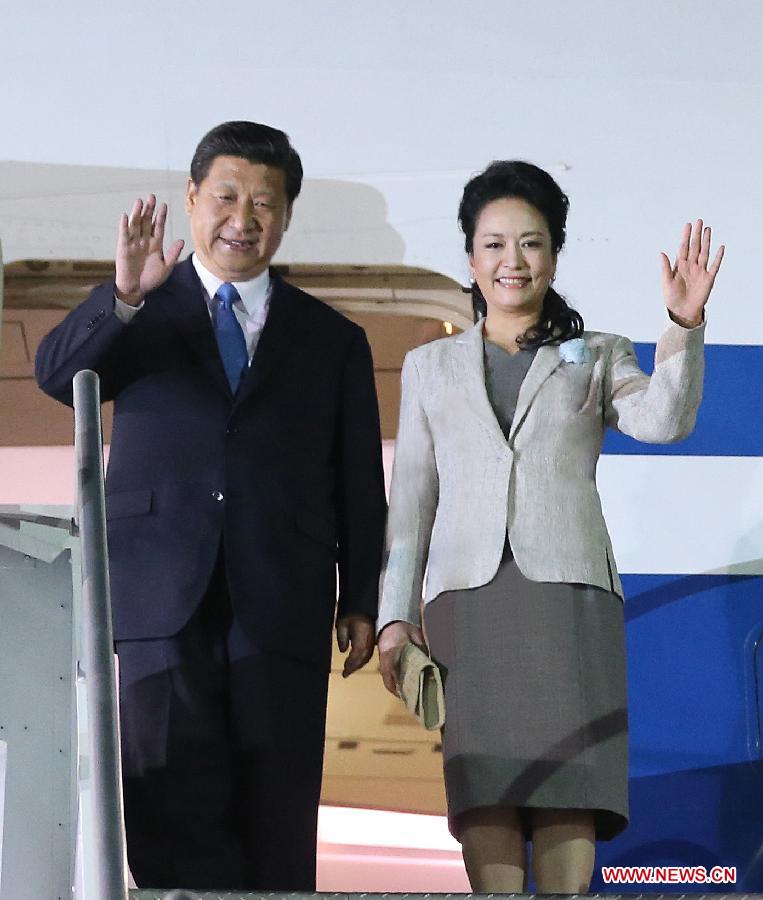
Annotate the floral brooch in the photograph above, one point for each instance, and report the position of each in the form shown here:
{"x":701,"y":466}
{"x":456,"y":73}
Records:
{"x":574,"y":351}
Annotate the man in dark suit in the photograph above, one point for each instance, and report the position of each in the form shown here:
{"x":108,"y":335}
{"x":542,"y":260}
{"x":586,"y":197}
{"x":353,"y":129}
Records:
{"x":245,"y":469}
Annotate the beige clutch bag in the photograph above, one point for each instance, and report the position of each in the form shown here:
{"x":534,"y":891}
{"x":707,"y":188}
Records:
{"x":421,"y":687}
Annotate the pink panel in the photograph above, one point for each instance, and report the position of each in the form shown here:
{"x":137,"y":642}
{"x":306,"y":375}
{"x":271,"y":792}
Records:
{"x":34,"y":476}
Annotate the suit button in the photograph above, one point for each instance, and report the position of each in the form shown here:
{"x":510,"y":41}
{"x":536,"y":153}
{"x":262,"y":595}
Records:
{"x":232,"y":429}
{"x":218,"y":495}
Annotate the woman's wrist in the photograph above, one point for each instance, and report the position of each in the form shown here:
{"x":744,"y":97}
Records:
{"x":686,"y":323}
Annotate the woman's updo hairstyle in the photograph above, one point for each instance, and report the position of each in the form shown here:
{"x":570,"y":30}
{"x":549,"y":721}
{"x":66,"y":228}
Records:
{"x":512,"y":178}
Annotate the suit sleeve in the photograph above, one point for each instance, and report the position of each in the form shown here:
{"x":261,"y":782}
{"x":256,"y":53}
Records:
{"x":90,"y":337}
{"x":361,"y":503}
{"x":662,"y":408}
{"x":413,"y":502}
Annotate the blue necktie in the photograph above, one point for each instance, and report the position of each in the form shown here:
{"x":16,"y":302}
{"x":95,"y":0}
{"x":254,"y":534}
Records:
{"x":230,"y":337}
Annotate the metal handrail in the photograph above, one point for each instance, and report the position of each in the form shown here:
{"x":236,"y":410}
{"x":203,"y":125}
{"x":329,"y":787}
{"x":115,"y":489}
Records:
{"x":106,"y":855}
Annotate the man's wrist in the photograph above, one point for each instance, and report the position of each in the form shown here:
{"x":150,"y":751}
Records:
{"x":355,"y":615}
{"x":130,"y":299}
{"x":125,"y":312}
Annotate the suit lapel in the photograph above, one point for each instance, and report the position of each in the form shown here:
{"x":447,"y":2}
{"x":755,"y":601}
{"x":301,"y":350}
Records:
{"x":283,"y":324}
{"x":546,"y":361}
{"x":282,"y":327}
{"x":193,"y":321}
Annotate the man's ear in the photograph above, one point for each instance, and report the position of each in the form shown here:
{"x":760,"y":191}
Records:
{"x":289,"y":210}
{"x":190,"y":196}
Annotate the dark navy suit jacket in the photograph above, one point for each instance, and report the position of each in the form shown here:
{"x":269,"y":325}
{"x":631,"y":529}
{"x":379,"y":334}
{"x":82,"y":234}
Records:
{"x":287,"y":473}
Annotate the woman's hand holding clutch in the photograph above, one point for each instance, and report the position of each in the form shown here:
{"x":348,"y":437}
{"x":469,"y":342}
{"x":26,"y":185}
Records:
{"x":392,"y":639}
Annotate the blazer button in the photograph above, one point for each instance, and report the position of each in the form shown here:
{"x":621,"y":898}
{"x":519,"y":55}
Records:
{"x":232,"y":429}
{"x":218,"y":495}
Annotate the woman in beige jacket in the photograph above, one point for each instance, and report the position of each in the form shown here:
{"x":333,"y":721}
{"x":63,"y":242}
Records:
{"x":494,"y":497}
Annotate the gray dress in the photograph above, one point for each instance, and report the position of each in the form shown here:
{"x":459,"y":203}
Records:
{"x":535,"y":695}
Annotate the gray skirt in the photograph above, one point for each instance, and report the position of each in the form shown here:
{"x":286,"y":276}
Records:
{"x":535,"y":697}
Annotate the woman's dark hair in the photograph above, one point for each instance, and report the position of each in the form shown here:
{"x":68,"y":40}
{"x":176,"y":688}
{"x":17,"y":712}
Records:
{"x":253,"y":142}
{"x":512,"y":178}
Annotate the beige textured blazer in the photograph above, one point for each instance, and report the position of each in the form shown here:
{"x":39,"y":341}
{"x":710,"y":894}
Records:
{"x":458,"y":484}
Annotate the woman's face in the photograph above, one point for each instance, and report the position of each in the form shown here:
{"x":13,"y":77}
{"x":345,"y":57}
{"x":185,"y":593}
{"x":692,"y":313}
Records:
{"x":512,"y":259}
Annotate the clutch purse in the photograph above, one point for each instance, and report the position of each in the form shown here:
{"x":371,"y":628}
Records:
{"x":421,"y":687}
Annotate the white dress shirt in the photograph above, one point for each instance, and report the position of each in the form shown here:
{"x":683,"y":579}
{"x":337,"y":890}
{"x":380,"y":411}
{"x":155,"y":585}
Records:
{"x":251,"y":309}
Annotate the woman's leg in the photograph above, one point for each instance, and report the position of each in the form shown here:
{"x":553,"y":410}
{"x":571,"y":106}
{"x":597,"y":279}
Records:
{"x":494,"y":850}
{"x":564,"y":846}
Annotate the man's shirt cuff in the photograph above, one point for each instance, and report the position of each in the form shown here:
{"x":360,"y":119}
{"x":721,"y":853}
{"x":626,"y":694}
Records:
{"x":124,"y":312}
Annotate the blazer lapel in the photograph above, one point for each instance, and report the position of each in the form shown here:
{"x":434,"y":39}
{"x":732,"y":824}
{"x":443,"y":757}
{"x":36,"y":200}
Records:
{"x":473,"y":377}
{"x":193,"y":320}
{"x":546,"y":361}
{"x":282,"y":326}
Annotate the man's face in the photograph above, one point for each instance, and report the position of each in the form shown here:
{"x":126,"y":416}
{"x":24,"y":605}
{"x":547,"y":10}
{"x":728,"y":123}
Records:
{"x":238,"y":214}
